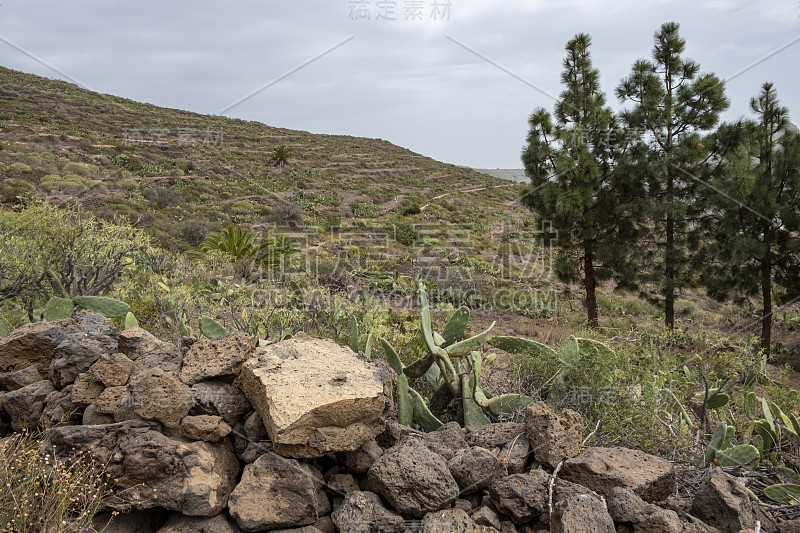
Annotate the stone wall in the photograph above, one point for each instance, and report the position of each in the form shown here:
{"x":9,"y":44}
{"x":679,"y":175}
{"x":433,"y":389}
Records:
{"x":302,"y":435}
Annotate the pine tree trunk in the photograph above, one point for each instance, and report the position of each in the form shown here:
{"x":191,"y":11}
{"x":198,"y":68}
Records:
{"x":669,"y":267}
{"x":766,"y":318}
{"x":590,"y":283}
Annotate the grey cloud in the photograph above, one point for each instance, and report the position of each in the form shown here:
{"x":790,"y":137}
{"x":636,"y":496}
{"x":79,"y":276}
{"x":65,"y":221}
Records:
{"x":398,"y":80}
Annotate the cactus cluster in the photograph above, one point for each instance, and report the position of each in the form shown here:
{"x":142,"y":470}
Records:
{"x":721,"y":453}
{"x":768,"y":431}
{"x":453,"y":363}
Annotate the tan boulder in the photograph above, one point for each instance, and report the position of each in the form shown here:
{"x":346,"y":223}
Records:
{"x":148,"y":352}
{"x":204,"y":427}
{"x":20,"y":378}
{"x":152,"y":470}
{"x":208,"y":359}
{"x":110,"y":399}
{"x":601,"y":469}
{"x":34,"y":344}
{"x":723,"y":503}
{"x":112,"y":370}
{"x":316,"y":397}
{"x":159,"y":395}
{"x":274,"y":493}
{"x":552,"y":437}
{"x":85,"y":390}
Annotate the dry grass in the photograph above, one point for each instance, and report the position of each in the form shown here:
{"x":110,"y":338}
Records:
{"x":47,"y":494}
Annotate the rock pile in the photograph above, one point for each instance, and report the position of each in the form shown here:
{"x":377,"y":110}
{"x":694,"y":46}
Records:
{"x":299,"y":436}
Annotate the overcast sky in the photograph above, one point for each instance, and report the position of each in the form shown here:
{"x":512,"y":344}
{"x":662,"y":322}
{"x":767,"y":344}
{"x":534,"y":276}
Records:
{"x":453,"y":80}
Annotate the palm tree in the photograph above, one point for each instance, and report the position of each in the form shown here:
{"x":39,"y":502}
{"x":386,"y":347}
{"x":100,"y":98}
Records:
{"x":271,"y":251}
{"x":234,"y":241}
{"x":281,"y":156}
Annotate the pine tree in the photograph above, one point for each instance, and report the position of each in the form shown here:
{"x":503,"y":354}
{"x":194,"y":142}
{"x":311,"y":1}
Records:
{"x":755,"y":240}
{"x":673,"y":105}
{"x":572,"y":164}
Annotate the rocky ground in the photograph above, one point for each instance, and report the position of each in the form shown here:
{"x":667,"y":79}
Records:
{"x":300,"y":436}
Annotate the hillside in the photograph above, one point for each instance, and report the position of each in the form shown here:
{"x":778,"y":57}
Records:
{"x":360,"y":230}
{"x":182,"y":174}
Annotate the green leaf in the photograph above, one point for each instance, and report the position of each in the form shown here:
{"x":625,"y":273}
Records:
{"x":768,"y":415}
{"x":58,"y":308}
{"x":422,"y":414}
{"x":786,"y":493}
{"x":595,"y":349}
{"x":474,"y":417}
{"x":779,"y":414}
{"x":405,"y":405}
{"x":368,"y":349}
{"x":730,"y":432}
{"x":438,"y":339}
{"x":183,"y":328}
{"x":720,"y":399}
{"x":795,"y":423}
{"x":108,"y":307}
{"x":392,"y":357}
{"x":741,"y":455}
{"x":468,"y":345}
{"x":789,"y":474}
{"x":425,"y":320}
{"x":717,"y":440}
{"x":569,"y":351}
{"x":419,"y":367}
{"x":516,"y":345}
{"x":210,"y":328}
{"x":751,"y":405}
{"x":456,"y":326}
{"x":508,"y":404}
{"x":767,"y":433}
{"x":354,"y":334}
{"x":130,"y":321}
{"x":433,"y":375}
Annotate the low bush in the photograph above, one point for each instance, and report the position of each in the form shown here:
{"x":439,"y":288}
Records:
{"x":42,"y":493}
{"x":365,"y":210}
{"x":81,"y":169}
{"x":11,"y":188}
{"x":71,"y":184}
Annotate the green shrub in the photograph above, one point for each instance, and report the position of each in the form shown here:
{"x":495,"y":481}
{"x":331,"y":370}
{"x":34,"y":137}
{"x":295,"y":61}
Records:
{"x":163,"y":197}
{"x":81,"y":169}
{"x":148,"y":169}
{"x":326,"y":199}
{"x":184,"y":165}
{"x":332,"y":222}
{"x":11,"y":188}
{"x":410,"y":208}
{"x":406,"y":234}
{"x":122,"y":160}
{"x":365,"y":210}
{"x":43,"y":238}
{"x":241,"y":208}
{"x":20,"y":168}
{"x":71,"y":184}
{"x":127,"y":184}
